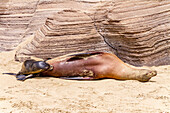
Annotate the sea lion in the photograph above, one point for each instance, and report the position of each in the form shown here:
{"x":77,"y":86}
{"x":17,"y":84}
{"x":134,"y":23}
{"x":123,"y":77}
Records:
{"x":96,"y":65}
{"x":32,"y":68}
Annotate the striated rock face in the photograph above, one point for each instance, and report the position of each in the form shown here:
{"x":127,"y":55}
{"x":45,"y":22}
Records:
{"x":15,"y":18}
{"x":68,"y":31}
{"x":19,"y":19}
{"x":138,"y":32}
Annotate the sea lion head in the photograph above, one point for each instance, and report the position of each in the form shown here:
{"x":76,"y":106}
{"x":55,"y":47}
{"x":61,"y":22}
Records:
{"x":33,"y":67}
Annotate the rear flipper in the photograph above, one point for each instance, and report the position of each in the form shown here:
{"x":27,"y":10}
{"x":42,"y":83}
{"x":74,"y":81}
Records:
{"x":77,"y":78}
{"x":9,"y":73}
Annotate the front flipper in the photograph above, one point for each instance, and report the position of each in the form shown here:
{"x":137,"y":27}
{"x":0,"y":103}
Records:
{"x":21,"y":77}
{"x":24,"y":77}
{"x":77,"y":78}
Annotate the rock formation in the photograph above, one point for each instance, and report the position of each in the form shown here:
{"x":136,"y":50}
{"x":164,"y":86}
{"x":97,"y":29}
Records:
{"x":138,"y":32}
{"x":68,"y":31}
{"x":20,"y":19}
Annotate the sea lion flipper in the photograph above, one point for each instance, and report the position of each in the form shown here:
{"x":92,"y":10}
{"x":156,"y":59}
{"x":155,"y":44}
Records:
{"x":10,"y":73}
{"x":21,"y":77}
{"x":77,"y":78}
{"x":24,"y":77}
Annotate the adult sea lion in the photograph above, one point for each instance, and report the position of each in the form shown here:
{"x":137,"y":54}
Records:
{"x":96,"y":65}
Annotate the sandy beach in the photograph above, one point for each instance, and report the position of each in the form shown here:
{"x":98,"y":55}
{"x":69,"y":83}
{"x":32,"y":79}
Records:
{"x":54,"y":95}
{"x":137,"y":31}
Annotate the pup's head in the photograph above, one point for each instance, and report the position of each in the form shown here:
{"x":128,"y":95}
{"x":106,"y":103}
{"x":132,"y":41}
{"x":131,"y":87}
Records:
{"x":33,"y":67}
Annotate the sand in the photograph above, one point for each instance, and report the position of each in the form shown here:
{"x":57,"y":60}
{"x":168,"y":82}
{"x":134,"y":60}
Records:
{"x":54,"y":95}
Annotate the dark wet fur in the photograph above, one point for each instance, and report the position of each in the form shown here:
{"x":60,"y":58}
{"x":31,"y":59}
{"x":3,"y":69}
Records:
{"x":80,"y":56}
{"x":31,"y":66}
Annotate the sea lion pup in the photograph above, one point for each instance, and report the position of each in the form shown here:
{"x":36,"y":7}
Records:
{"x":31,"y":68}
{"x":96,"y":65}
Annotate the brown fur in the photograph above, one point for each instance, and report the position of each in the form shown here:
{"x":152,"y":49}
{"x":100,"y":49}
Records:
{"x":96,"y":65}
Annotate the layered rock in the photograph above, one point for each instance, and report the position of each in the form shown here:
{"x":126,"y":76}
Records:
{"x":46,"y":8}
{"x":65,"y":32}
{"x":138,"y":31}
{"x":19,"y":19}
{"x":15,"y":18}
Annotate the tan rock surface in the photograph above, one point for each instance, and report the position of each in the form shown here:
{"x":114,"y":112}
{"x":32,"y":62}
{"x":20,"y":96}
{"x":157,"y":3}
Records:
{"x":19,"y":19}
{"x":137,"y":32}
{"x":65,"y":32}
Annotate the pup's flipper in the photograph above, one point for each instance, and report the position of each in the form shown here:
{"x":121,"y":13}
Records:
{"x":21,"y":77}
{"x":24,"y":77}
{"x":10,"y":73}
